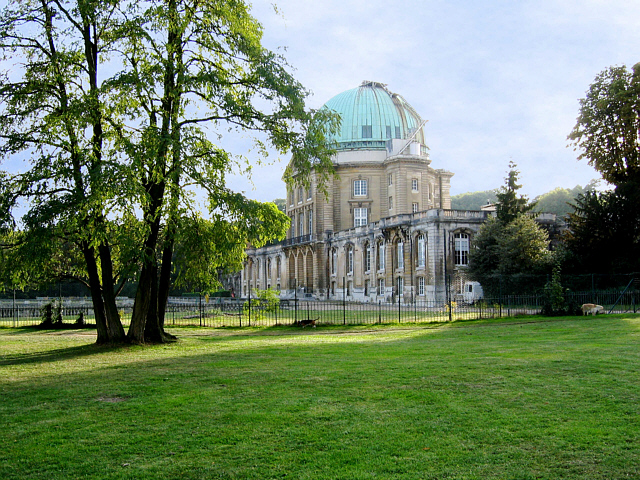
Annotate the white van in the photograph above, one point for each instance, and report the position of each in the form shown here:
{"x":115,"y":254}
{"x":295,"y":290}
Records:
{"x":472,"y":292}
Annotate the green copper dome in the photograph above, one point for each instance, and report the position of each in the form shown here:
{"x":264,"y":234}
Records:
{"x":371,"y":116}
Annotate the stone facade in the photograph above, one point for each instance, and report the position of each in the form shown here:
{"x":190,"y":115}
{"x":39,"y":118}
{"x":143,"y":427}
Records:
{"x":385,"y":230}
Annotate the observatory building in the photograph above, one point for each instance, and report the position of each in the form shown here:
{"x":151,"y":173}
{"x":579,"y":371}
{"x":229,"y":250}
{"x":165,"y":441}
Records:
{"x":386,"y":231}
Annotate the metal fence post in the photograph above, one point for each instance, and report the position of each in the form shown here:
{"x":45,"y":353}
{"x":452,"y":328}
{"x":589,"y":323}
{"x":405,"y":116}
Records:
{"x":379,"y":311}
{"x":344,"y":301}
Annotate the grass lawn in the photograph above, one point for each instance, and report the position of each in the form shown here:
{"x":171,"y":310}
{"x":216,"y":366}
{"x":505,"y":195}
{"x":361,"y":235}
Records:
{"x":504,"y":399}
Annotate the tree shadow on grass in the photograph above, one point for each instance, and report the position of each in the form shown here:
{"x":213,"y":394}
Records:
{"x":56,"y":355}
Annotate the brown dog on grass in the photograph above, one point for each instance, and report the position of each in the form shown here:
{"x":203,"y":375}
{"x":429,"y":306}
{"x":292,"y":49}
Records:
{"x":307,"y":323}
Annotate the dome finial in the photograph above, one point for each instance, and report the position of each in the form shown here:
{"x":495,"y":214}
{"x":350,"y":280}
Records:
{"x":369,"y":83}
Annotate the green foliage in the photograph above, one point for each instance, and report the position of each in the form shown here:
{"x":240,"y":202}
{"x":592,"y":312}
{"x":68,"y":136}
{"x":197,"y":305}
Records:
{"x":510,"y":245}
{"x":281,"y":203}
{"x":509,"y":205}
{"x":262,"y":302}
{"x":606,"y":132}
{"x":473,"y":200}
{"x":604,"y":232}
{"x":554,"y":300}
{"x":500,"y":251}
{"x":46,"y":315}
{"x":115,"y":162}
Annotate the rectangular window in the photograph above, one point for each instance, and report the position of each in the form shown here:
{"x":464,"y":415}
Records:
{"x":414,"y":207}
{"x":367,"y":287}
{"x":390,"y":203}
{"x":291,"y":198}
{"x":388,"y":132}
{"x":359,"y":188}
{"x":461,"y":246}
{"x":310,"y":222}
{"x":381,"y":286}
{"x":390,"y":179}
{"x":367,"y":131}
{"x":421,"y":251}
{"x":421,"y":286}
{"x":350,"y":261}
{"x":359,"y":217}
{"x":414,"y":184}
{"x":380,"y":256}
{"x":397,"y":132}
{"x":400,"y":255}
{"x":309,"y":194}
{"x":367,"y":258}
{"x":301,"y":220}
{"x":334,"y":261}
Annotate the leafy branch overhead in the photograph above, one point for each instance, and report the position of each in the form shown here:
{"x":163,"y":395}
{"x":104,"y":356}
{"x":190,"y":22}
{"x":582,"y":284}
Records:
{"x":607,"y":127}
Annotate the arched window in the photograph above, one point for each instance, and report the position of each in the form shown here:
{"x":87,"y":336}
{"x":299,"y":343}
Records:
{"x":461,"y":247}
{"x":400,"y":254}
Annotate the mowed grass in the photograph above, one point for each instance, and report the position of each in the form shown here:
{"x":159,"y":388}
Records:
{"x":509,"y":399}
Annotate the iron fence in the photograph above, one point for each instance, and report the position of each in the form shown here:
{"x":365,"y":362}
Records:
{"x":229,"y":312}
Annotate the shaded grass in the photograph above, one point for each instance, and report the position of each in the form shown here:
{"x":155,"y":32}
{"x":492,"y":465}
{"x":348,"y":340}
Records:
{"x":518,"y":399}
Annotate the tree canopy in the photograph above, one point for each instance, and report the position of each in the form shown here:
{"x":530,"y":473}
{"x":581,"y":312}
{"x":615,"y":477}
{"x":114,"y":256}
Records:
{"x":511,"y":246}
{"x":509,"y":204}
{"x":604,"y":236}
{"x":119,"y":110}
{"x":606,"y":132}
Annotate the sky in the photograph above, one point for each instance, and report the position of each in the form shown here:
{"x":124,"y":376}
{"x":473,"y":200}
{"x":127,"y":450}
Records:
{"x":498,"y":81}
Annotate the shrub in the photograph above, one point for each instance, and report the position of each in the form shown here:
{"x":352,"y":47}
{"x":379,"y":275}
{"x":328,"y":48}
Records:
{"x":554,"y":300}
{"x":264,"y":301}
{"x":46,"y":314}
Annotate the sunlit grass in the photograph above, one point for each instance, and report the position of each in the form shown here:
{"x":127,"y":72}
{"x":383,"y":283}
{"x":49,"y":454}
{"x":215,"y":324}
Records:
{"x":517,"y":398}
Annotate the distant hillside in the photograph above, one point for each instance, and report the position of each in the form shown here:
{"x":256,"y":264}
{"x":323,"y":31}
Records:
{"x":472,"y":200}
{"x":556,"y":201}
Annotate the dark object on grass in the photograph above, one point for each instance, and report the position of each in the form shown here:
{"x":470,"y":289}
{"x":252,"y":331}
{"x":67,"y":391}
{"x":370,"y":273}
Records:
{"x":306,"y":323}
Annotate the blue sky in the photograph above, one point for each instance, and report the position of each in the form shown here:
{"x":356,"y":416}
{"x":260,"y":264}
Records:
{"x":497,"y":80}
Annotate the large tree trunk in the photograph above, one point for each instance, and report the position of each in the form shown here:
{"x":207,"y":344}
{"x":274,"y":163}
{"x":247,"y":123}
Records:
{"x":154,"y":331}
{"x":96,"y":294}
{"x":114,"y":324}
{"x":148,"y":274}
{"x":141,"y":307}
